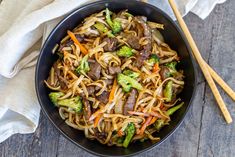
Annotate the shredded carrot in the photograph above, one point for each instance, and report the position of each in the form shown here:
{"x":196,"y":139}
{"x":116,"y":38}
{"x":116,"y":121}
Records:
{"x":144,"y":126}
{"x":120,"y":133}
{"x":97,"y":119}
{"x":155,"y":67}
{"x":111,"y":95}
{"x":153,"y":120}
{"x":75,"y":40}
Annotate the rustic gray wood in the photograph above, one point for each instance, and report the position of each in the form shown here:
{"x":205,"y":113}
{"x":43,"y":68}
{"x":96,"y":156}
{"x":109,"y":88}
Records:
{"x":203,"y":133}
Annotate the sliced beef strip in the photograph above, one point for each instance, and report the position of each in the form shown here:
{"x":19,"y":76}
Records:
{"x":114,"y":70}
{"x":175,"y":92}
{"x":164,"y":72}
{"x":63,"y":82}
{"x":87,"y":108}
{"x":142,"y":21}
{"x":95,"y":70}
{"x":111,"y":44}
{"x":108,"y":82}
{"x":104,"y":97}
{"x":133,"y":41}
{"x":130,"y":103}
{"x":90,"y":90}
{"x":146,"y":51}
{"x":141,"y":57}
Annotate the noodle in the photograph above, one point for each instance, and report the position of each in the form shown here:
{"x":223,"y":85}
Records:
{"x":109,"y":80}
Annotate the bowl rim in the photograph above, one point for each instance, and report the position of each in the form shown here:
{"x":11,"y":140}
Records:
{"x":74,"y":11}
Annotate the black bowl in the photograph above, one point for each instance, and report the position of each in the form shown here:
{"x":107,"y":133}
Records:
{"x":173,"y":37}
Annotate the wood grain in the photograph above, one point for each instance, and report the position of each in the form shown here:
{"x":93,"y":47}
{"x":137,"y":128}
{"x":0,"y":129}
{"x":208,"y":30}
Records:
{"x":202,"y":134}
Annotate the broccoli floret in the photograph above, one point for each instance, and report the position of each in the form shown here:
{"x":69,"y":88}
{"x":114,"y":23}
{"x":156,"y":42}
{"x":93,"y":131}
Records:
{"x":117,"y":27}
{"x":73,"y":103}
{"x":172,"y":67}
{"x":131,"y":73}
{"x":125,"y":51}
{"x":115,"y":24}
{"x":84,"y":66}
{"x":130,"y":132}
{"x":168,"y":91}
{"x":102,"y":28}
{"x":153,"y":59}
{"x":127,"y":83}
{"x":54,"y":97}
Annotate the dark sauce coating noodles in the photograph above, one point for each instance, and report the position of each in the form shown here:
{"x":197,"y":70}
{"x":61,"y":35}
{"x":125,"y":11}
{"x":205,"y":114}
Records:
{"x":116,"y":78}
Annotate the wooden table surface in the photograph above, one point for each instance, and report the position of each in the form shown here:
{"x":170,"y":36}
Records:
{"x":203,"y":133}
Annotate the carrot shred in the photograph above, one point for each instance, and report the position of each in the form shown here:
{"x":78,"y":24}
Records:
{"x":155,"y":67}
{"x":153,"y":120}
{"x":144,"y":126}
{"x":97,"y":119}
{"x":75,"y":40}
{"x":120,"y":133}
{"x":111,"y":95}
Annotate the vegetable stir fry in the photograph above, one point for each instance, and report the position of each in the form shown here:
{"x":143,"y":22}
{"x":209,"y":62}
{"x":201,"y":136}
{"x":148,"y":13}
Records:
{"x":116,"y":79}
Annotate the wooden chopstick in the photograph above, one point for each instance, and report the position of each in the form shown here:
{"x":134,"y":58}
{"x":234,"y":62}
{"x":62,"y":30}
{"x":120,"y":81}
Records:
{"x":221,"y":82}
{"x":201,"y":63}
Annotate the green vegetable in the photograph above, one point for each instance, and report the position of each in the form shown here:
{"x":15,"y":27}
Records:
{"x":153,"y":59}
{"x":174,"y":109}
{"x":125,"y":51}
{"x":125,"y":85}
{"x":127,"y":82}
{"x":115,"y":25}
{"x":128,"y":14}
{"x":172,"y":67}
{"x":54,"y":97}
{"x":120,"y":140}
{"x":168,"y":91}
{"x":131,"y":73}
{"x":84,"y":66}
{"x":130,"y":132}
{"x":102,"y":28}
{"x":160,"y":123}
{"x":73,"y":103}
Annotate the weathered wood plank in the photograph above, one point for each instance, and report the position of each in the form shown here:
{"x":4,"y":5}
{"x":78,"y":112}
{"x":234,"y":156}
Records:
{"x":43,"y":142}
{"x":217,"y":138}
{"x":67,"y":148}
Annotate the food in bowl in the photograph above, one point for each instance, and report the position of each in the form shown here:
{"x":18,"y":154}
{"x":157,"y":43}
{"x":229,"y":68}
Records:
{"x":116,"y":79}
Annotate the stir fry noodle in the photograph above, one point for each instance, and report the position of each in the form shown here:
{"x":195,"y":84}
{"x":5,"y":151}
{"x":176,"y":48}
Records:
{"x":116,"y":78}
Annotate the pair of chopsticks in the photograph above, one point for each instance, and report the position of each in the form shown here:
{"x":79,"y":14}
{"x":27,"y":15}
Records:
{"x":208,"y":72}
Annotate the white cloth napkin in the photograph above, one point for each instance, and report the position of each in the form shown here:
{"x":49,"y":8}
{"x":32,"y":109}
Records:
{"x":24,"y":25}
